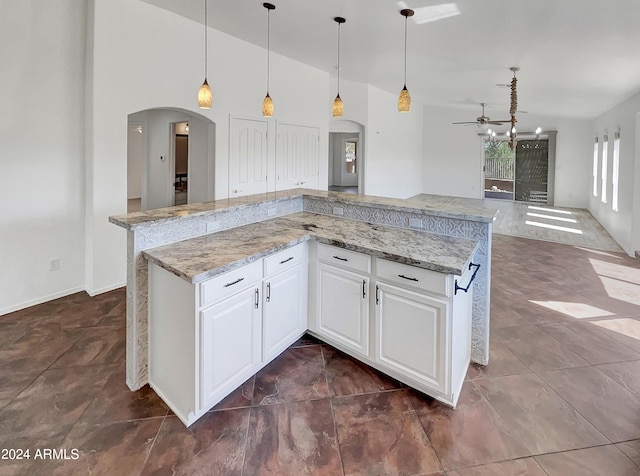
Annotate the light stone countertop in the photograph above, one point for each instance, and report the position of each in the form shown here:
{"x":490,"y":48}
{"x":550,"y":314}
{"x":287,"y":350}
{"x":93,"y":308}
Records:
{"x":204,"y":257}
{"x":439,"y":206}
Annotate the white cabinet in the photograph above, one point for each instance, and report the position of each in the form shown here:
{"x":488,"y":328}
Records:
{"x":229,"y":344}
{"x":420,"y":330}
{"x":340,"y":301}
{"x":343,"y":311}
{"x":411,"y":334}
{"x":284,"y":316}
{"x":206,"y":339}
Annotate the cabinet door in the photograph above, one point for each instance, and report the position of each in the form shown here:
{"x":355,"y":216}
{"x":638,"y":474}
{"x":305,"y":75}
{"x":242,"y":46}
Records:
{"x":284,"y":311}
{"x":229,"y":344}
{"x":411,"y":331}
{"x":343,"y":307}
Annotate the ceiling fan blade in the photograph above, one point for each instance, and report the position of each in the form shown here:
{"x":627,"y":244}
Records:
{"x":474,"y":122}
{"x":499,"y":123}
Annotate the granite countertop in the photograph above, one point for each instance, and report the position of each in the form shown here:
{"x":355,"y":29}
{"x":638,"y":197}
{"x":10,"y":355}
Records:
{"x":201,"y":258}
{"x":439,"y":206}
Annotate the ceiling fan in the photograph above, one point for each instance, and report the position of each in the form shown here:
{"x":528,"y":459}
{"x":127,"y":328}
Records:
{"x":484,"y":120}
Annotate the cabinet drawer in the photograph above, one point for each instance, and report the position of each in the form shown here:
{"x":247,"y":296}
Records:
{"x":284,"y":259}
{"x":230,"y":283}
{"x":346,"y":259}
{"x":414,"y":277}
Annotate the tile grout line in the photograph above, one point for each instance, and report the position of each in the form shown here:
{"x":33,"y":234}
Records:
{"x":333,"y":415}
{"x":153,"y":443}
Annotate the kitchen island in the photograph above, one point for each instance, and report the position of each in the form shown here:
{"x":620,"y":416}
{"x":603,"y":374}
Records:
{"x":155,"y":228}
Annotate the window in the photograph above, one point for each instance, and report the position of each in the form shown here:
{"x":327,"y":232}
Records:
{"x":595,"y":167}
{"x":616,"y":171}
{"x":605,"y":150}
{"x":350,"y":156}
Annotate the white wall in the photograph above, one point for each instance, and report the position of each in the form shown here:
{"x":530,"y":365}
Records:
{"x":452,"y":163}
{"x":137,"y":65}
{"x":134,"y":161}
{"x":393,"y":165}
{"x":623,"y":225}
{"x":42,"y":149}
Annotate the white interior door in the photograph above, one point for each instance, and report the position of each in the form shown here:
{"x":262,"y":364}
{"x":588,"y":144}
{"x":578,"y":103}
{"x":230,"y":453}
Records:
{"x":248,"y":154}
{"x":297,"y":161}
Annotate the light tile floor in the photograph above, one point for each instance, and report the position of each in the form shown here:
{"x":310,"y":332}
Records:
{"x":575,"y":226}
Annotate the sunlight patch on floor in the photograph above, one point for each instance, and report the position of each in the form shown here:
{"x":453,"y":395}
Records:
{"x":577,"y":310}
{"x":625,"y":326}
{"x":553,"y":210}
{"x":553,"y":227}
{"x":617,"y":271}
{"x":550,"y":217}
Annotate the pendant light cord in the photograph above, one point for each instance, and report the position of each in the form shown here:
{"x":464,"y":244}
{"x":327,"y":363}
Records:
{"x":405,"y":52}
{"x":338,"y":58}
{"x":268,"y":46}
{"x":205,"y":40}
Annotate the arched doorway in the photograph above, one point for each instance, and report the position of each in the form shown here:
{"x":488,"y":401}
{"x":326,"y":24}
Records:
{"x":170,"y":158}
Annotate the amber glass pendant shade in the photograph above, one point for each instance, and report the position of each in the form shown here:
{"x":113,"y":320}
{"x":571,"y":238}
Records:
{"x":338,"y":107}
{"x":205,"y":96}
{"x":267,"y":106}
{"x":404,"y":101}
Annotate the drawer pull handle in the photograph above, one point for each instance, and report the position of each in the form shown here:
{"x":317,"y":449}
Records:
{"x":364,"y":291}
{"x":406,"y":277}
{"x":233,"y":282}
{"x":473,"y":276}
{"x":257,"y":303}
{"x":285,"y":260}
{"x":268,"y":292}
{"x":377,"y":295}
{"x":341,"y":259}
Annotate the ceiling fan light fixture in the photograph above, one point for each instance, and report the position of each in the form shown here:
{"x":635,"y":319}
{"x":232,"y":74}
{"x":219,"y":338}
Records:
{"x":267,"y":103}
{"x":205,"y":96}
{"x":404,"y":101}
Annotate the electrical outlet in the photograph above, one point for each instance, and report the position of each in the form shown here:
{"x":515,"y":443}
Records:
{"x":54,"y":265}
{"x":213,"y":226}
{"x":271,"y":212}
{"x":415,"y":223}
{"x":338,"y":211}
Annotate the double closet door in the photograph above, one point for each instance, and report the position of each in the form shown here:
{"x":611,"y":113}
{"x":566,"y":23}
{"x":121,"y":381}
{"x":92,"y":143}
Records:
{"x":264,"y":158}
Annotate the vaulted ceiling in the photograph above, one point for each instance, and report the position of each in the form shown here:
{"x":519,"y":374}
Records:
{"x":578,"y":58}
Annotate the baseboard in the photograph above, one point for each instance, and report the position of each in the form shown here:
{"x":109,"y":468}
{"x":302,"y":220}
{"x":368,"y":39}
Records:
{"x":40,"y":300}
{"x":106,"y":289}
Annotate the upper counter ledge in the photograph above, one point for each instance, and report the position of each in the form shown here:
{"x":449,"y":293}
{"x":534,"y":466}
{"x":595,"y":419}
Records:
{"x":426,"y":204}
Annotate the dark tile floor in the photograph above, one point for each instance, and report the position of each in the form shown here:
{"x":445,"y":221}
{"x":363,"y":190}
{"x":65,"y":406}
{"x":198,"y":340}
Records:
{"x":561,"y":395}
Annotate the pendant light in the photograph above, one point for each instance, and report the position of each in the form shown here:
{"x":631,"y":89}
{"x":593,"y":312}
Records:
{"x":205,"y":97}
{"x":404,"y":101}
{"x":338,"y":105}
{"x":267,"y":104}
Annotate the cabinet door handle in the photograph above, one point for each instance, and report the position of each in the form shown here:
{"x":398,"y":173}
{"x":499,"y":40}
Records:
{"x":257,"y":303}
{"x":377,"y":295}
{"x":268,"y":292}
{"x":364,"y":292}
{"x":406,"y":277}
{"x":285,"y":260}
{"x":233,"y":282}
{"x":341,"y":259}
